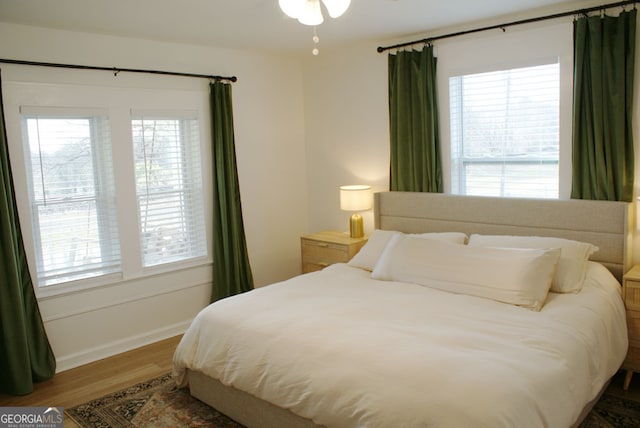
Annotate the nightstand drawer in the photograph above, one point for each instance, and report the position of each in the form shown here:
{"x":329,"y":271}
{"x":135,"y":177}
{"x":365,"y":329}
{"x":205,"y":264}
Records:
{"x":312,"y":267}
{"x":324,"y":251}
{"x":633,"y":356}
{"x":632,"y":295}
{"x":633,"y":325}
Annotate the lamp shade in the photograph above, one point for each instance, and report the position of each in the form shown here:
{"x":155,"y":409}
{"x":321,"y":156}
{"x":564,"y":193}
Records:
{"x":355,"y":197}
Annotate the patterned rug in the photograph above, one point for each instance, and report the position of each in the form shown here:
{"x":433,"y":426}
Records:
{"x":613,"y":411}
{"x":155,"y":403}
{"x":159,"y":403}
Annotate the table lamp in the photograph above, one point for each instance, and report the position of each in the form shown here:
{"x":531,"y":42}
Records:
{"x":355,"y":198}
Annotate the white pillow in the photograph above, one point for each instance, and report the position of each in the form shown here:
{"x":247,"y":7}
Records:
{"x":517,"y":276}
{"x":451,"y":237}
{"x":574,"y":256}
{"x":369,"y":254}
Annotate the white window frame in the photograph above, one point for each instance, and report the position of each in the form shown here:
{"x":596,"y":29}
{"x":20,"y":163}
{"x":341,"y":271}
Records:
{"x":104,"y":197}
{"x":458,"y":141}
{"x":513,"y":49}
{"x":119,"y":101}
{"x":190,"y":187}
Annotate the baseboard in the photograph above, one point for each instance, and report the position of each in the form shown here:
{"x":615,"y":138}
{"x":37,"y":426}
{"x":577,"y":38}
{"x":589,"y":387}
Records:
{"x":117,"y":347}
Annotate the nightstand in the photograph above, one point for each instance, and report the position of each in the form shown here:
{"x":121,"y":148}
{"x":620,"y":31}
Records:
{"x":631,"y":297}
{"x":322,"y":249}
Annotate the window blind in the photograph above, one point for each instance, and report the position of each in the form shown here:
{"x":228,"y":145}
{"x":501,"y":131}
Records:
{"x":168,"y":187}
{"x":72,"y":194}
{"x":505,"y":132}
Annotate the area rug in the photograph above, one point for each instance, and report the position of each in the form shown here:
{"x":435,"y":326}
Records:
{"x":159,"y":403}
{"x":613,"y":411}
{"x":155,"y":403}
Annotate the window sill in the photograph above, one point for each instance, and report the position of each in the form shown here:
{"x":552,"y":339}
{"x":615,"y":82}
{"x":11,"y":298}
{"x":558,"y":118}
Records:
{"x":118,"y":279}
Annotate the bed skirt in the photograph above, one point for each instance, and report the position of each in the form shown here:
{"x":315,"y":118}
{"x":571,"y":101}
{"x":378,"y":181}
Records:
{"x":242,"y":407}
{"x":253,"y":412}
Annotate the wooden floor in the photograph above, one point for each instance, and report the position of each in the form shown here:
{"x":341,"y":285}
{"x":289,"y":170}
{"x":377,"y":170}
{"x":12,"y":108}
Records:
{"x":76,"y":386}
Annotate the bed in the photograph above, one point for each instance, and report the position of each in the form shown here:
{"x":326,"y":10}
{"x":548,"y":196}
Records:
{"x":384,"y":341}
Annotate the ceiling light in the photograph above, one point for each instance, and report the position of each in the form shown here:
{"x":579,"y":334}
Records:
{"x":336,"y":7}
{"x":308,"y":12}
{"x":292,"y":8}
{"x":311,"y":13}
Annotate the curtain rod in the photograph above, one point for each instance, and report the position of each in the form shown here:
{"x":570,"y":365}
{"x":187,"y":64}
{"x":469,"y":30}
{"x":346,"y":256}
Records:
{"x":117,"y":70}
{"x":509,"y":24}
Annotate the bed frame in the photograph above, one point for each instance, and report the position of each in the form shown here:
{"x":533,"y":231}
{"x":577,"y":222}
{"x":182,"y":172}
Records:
{"x":601,"y":223}
{"x":604,"y":224}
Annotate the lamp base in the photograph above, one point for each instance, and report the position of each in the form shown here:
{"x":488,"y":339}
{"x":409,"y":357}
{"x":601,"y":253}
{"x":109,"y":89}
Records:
{"x":356,"y":226}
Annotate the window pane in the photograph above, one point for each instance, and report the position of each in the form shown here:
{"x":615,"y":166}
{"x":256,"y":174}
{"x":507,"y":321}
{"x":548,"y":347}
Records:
{"x":169,"y":189}
{"x":72,"y":197}
{"x":505,"y":132}
{"x":537,"y":180}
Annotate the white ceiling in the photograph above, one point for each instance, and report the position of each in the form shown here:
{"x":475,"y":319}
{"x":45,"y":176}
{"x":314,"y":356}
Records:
{"x":258,"y":24}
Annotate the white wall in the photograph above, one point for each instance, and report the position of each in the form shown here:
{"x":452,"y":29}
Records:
{"x":346,"y":128}
{"x":86,"y":325}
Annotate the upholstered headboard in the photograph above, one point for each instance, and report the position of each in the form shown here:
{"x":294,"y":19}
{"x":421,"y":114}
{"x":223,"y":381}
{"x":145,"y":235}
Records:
{"x":601,"y":223}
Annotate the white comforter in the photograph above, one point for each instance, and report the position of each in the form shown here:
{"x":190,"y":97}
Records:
{"x":347,"y":351}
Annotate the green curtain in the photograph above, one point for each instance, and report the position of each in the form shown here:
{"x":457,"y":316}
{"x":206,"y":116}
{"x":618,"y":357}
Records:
{"x":231,"y":268}
{"x":416,"y":164}
{"x":603,"y":156}
{"x":25,"y":354}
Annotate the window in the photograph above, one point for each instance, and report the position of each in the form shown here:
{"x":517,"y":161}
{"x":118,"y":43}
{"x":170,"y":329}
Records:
{"x":505,"y":132}
{"x":168,"y":188}
{"x":109,"y":193}
{"x":71,"y":193}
